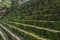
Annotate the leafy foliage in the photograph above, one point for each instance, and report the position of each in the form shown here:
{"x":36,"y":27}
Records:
{"x":5,"y":3}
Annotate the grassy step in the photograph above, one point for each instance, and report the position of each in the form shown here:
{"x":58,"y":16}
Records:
{"x":17,"y":38}
{"x":8,"y":34}
{"x":4,"y":35}
{"x":37,"y":30}
{"x":35,"y":37}
{"x":13,"y":33}
{"x":41,"y":23}
{"x":29,"y":25}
